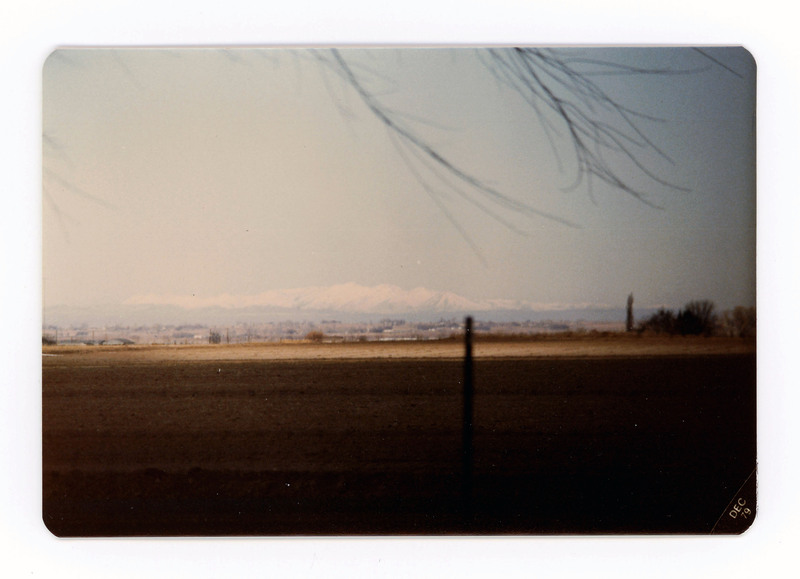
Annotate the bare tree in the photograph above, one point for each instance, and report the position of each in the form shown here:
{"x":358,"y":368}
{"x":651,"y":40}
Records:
{"x":663,"y":321}
{"x":560,"y":89}
{"x":697,"y":317}
{"x":739,"y":322}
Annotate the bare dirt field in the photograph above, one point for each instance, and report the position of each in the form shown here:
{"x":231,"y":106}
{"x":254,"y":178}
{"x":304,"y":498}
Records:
{"x":577,"y":436}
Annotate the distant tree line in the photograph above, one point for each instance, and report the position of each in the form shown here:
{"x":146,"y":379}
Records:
{"x":698,"y":318}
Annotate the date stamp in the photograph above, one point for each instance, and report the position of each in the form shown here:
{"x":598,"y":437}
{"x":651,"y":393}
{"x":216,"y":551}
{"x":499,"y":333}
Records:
{"x":740,"y":512}
{"x":740,"y":509}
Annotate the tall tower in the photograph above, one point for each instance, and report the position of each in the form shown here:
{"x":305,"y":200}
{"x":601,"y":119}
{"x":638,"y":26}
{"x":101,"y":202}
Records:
{"x":629,"y":315}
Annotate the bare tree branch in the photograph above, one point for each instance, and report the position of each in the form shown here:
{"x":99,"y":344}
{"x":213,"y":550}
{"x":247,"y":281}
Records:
{"x":603,"y":139}
{"x":572,"y":108}
{"x":544,"y":79}
{"x":414,"y":142}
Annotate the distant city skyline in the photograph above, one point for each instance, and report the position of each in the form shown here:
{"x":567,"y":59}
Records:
{"x":214,"y":172}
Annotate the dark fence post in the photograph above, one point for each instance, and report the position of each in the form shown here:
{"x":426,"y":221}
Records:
{"x":466,"y":475}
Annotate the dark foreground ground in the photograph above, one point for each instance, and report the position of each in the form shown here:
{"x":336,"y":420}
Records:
{"x":661,"y":444}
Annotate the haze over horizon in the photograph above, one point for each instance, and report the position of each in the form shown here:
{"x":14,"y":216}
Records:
{"x":245,"y":172}
{"x":354,"y":297}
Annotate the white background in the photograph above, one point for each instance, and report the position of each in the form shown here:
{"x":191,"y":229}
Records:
{"x":30,"y":30}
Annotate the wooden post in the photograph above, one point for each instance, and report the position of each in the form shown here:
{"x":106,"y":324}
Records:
{"x":467,"y":432}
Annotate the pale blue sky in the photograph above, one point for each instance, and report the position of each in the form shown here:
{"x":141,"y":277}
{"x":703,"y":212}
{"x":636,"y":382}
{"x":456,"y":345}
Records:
{"x":212,"y":171}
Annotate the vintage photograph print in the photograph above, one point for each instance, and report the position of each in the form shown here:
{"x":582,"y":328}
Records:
{"x":398,"y":291}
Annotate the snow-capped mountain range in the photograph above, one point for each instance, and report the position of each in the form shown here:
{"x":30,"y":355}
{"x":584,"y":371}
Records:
{"x":349,"y":302}
{"x":349,"y":298}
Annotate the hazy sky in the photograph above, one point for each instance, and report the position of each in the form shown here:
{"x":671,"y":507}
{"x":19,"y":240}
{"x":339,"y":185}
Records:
{"x":239,"y":171}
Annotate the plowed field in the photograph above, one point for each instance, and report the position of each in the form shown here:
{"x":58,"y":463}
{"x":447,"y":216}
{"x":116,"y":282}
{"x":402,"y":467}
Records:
{"x":639,"y":437}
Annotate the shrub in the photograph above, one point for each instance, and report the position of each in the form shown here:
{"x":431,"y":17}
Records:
{"x":315,"y":336}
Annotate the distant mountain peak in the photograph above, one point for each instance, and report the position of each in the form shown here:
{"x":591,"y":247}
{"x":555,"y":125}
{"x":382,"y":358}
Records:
{"x":345,"y":297}
{"x":349,"y":300}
